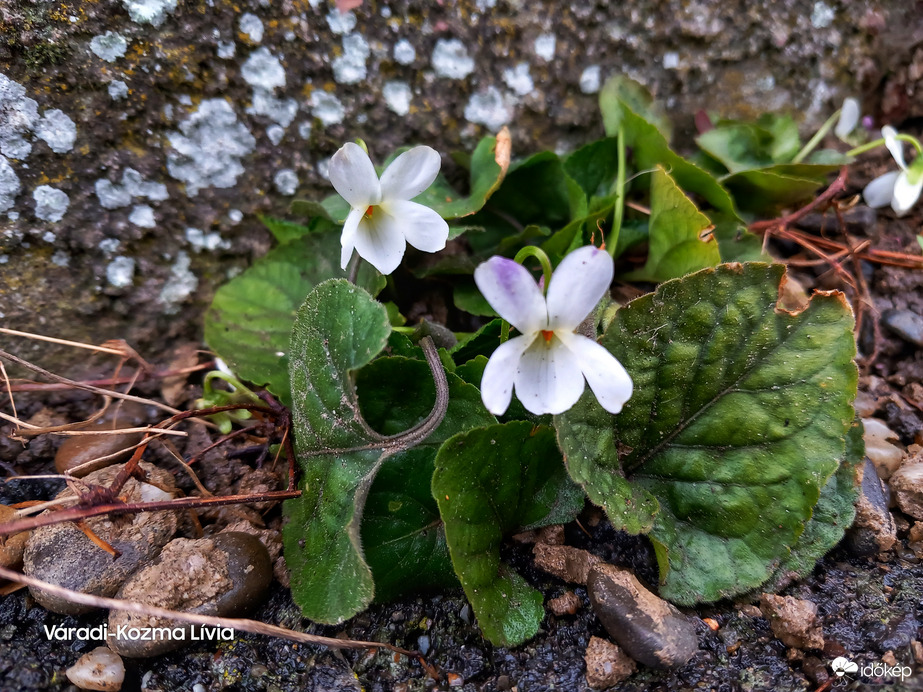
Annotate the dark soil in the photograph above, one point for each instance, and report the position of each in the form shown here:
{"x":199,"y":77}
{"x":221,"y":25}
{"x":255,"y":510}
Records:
{"x":868,"y":606}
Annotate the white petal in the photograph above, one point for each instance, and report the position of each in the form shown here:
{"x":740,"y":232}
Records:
{"x":895,"y":146}
{"x":609,"y":381}
{"x":352,"y":175}
{"x":849,"y":118}
{"x":422,"y":227}
{"x":380,"y":241}
{"x":497,"y":381}
{"x":548,"y":379}
{"x":582,"y":278}
{"x":906,"y":194}
{"x":513,"y":293}
{"x":410,"y":173}
{"x":880,"y":191}
{"x":348,"y":236}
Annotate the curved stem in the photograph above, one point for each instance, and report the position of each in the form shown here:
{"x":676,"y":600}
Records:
{"x":539,"y":254}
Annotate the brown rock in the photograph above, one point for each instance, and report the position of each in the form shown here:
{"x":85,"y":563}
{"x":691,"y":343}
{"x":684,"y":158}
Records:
{"x":793,"y":621}
{"x":648,"y":628}
{"x":567,"y":603}
{"x":552,"y":535}
{"x":873,"y":530}
{"x":226,"y":575}
{"x":907,"y":486}
{"x":64,"y":555}
{"x":564,"y":562}
{"x":11,"y":547}
{"x":606,"y":664}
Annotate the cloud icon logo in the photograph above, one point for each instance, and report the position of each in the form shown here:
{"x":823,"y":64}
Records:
{"x":841,"y":666}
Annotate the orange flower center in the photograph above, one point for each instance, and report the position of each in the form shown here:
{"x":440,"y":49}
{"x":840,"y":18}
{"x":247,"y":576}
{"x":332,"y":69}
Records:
{"x":368,"y":212}
{"x":547,"y":333}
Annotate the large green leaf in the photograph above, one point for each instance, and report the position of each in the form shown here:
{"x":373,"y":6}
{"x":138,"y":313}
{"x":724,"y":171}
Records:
{"x":536,"y":191}
{"x":341,"y":447}
{"x":650,"y":149}
{"x":739,"y":146}
{"x":833,"y":514}
{"x":620,"y":94}
{"x":401,"y":528}
{"x":491,"y":482}
{"x":766,"y":190}
{"x":249,"y":323}
{"x":339,"y":328}
{"x":488,"y":166}
{"x":680,"y":240}
{"x":738,"y":418}
{"x":594,"y":166}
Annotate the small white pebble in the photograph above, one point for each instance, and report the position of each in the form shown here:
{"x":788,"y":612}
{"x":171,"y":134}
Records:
{"x":822,"y":15}
{"x":110,"y":46}
{"x":149,"y":11}
{"x":544,"y":46}
{"x":670,"y":60}
{"x":117,"y":90}
{"x":349,"y":68}
{"x":275,"y":133}
{"x":404,"y":52}
{"x":142,"y":215}
{"x":341,"y":22}
{"x":109,"y":245}
{"x":60,"y":259}
{"x":518,"y":79}
{"x":397,"y":96}
{"x":590,"y":79}
{"x":489,"y":108}
{"x":251,"y":25}
{"x":323,"y":168}
{"x":121,"y":271}
{"x":226,"y":49}
{"x":50,"y":204}
{"x":327,"y":108}
{"x":450,"y":59}
{"x":49,"y":237}
{"x":200,"y":240}
{"x":235,"y":216}
{"x":263,"y":70}
{"x":304,"y":130}
{"x":286,"y":181}
{"x":101,"y":669}
{"x":57,"y":130}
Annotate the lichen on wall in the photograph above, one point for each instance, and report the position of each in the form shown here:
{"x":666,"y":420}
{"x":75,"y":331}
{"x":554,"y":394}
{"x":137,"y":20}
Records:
{"x":143,"y":136}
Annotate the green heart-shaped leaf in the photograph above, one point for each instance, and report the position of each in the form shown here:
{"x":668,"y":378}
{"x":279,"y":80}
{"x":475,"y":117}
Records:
{"x":401,"y":528}
{"x":339,"y":328}
{"x":680,"y":241}
{"x":738,"y":418}
{"x":249,"y":323}
{"x":490,"y":482}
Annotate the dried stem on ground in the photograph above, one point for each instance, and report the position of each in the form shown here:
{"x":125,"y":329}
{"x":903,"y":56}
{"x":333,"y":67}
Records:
{"x":242,"y":624}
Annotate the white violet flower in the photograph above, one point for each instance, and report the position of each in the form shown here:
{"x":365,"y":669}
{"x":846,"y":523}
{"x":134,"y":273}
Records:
{"x":849,"y":118}
{"x":901,"y":189}
{"x":547,"y":364}
{"x":383,"y":219}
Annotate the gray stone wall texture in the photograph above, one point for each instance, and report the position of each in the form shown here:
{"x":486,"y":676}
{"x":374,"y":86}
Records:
{"x":139,"y":139}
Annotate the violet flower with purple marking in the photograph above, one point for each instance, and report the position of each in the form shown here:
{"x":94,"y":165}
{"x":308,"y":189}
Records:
{"x":548,"y":364}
